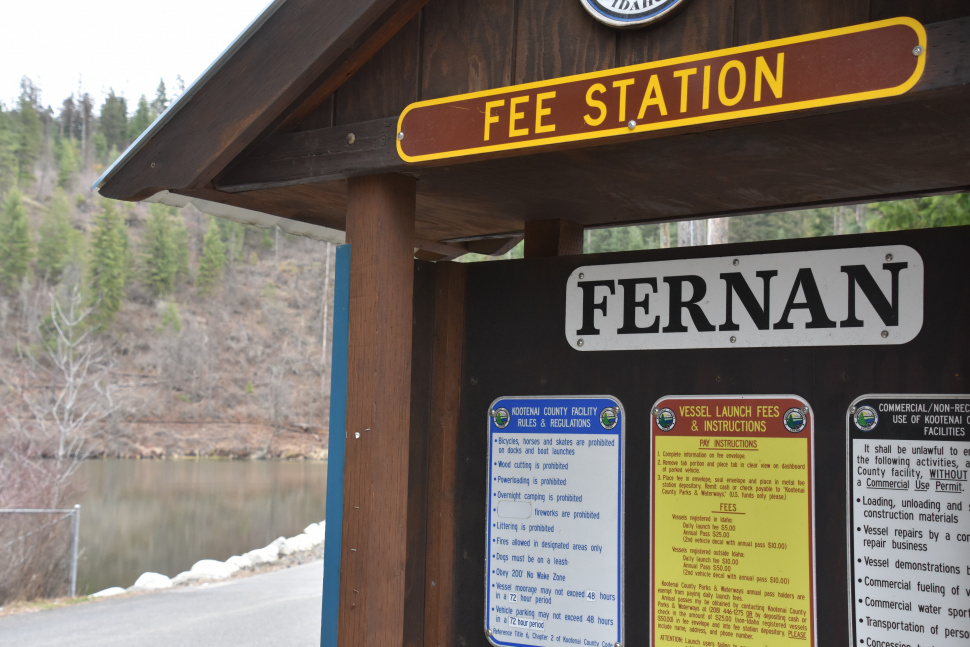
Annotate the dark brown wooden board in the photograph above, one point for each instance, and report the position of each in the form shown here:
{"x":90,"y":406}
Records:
{"x":542,"y":30}
{"x":702,"y":26}
{"x":467,"y":47}
{"x":925,"y":11}
{"x":511,"y":354}
{"x":760,"y":20}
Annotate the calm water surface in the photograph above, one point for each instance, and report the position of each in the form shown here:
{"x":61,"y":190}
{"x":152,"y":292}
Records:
{"x":164,"y":516}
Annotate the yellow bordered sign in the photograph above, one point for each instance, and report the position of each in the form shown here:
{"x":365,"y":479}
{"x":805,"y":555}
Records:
{"x":858,"y":63}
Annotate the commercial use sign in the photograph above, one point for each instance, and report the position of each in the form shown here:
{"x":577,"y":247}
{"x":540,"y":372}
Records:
{"x":909,"y":529}
{"x":858,"y":63}
{"x":837,"y":297}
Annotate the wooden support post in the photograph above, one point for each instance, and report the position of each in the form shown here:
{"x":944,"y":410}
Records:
{"x":553,"y":237}
{"x":449,"y":327}
{"x":380,"y":230}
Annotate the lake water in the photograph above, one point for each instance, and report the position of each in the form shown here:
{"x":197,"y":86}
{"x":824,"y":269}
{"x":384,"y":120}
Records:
{"x":163,"y":516}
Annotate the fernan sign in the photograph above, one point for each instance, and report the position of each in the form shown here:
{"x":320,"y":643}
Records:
{"x":837,"y":297}
{"x":858,"y":63}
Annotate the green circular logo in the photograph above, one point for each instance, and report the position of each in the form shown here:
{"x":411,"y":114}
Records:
{"x":609,"y":417}
{"x":795,"y":420}
{"x":666,"y":419}
{"x":501,"y":417}
{"x":865,"y":418}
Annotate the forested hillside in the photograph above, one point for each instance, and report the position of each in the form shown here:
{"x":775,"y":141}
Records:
{"x":139,"y":329}
{"x":142,"y":330}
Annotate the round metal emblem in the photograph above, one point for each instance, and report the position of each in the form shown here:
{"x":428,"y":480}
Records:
{"x":665,"y":419}
{"x":865,"y":418}
{"x":609,"y":417}
{"x":501,"y":417}
{"x":631,"y":13}
{"x":795,"y":420}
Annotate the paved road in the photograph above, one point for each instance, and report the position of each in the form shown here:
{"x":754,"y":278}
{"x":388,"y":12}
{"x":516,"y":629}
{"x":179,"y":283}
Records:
{"x":279,"y":608}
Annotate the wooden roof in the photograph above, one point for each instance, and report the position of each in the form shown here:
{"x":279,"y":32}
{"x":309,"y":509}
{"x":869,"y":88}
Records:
{"x":310,"y":95}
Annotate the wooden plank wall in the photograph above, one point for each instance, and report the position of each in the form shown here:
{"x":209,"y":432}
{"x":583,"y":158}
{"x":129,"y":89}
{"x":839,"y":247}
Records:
{"x":458,"y":46}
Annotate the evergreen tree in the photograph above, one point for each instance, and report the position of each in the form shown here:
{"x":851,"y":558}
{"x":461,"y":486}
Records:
{"x":108,"y":264}
{"x":213,"y":261}
{"x":160,"y":103}
{"x":9,"y":167}
{"x":159,"y":263}
{"x":101,"y":148}
{"x":180,"y":236}
{"x":29,"y":132}
{"x":141,"y":120}
{"x":68,"y":163}
{"x":57,"y":240}
{"x":934,"y":211}
{"x":114,"y":121}
{"x":15,"y":243}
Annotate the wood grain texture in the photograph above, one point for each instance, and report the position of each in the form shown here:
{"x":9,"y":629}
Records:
{"x":467,"y":47}
{"x":701,"y":26}
{"x":925,"y":11}
{"x":557,"y":38}
{"x":252,"y":89}
{"x":380,"y":229}
{"x":449,"y":323}
{"x":386,"y":84}
{"x":553,"y":237}
{"x":761,"y":20}
{"x":315,"y":156}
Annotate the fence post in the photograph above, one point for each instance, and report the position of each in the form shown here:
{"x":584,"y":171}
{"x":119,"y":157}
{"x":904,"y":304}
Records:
{"x":74,"y":542}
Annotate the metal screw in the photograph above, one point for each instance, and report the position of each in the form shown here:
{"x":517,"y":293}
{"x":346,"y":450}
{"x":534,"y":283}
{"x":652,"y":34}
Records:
{"x":805,"y":410}
{"x":580,"y":342}
{"x":885,"y":333}
{"x":733,"y":339}
{"x":616,"y":644}
{"x":631,"y":125}
{"x":400,"y":135}
{"x":351,"y":138}
{"x":656,"y":412}
{"x":852,"y":410}
{"x":356,"y":434}
{"x":889,"y":257}
{"x":153,"y":164}
{"x":735,"y":262}
{"x":917,"y":50}
{"x":488,"y":632}
{"x":582,"y":276}
{"x":434,"y":582}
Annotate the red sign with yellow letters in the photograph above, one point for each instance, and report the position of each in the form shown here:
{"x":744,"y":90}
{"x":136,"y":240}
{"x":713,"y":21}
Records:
{"x":858,"y":63}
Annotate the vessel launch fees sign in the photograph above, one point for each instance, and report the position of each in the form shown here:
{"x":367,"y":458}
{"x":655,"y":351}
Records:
{"x":732,"y":544}
{"x":857,"y":63}
{"x":836,"y":297}
{"x":554,"y":563}
{"x":909,"y":509}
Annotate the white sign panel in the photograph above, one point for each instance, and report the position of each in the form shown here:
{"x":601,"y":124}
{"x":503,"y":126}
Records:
{"x":909,"y":520}
{"x":554,"y":563}
{"x":837,"y":297}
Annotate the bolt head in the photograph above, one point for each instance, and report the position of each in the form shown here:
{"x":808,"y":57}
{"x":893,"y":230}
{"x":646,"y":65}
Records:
{"x":734,"y":339}
{"x":918,"y":50}
{"x":735,"y":262}
{"x":582,"y":276}
{"x":580,"y":342}
{"x":351,"y":138}
{"x":885,"y":334}
{"x":889,"y":257}
{"x":400,"y":135}
{"x":631,"y":125}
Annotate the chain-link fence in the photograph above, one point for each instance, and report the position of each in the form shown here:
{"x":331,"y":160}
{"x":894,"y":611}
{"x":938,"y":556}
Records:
{"x":38,"y":552}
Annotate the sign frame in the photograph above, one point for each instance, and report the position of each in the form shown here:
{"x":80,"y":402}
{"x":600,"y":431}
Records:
{"x":620,"y":433}
{"x":851,"y":491}
{"x":808,"y":425}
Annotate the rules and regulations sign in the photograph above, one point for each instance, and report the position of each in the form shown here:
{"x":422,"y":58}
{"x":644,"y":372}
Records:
{"x":732,"y":510}
{"x":837,"y":297}
{"x":554,"y":563}
{"x":857,"y":63}
{"x":909,"y":520}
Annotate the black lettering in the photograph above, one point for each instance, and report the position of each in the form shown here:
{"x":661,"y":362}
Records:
{"x":678,"y":304}
{"x":734,"y":283}
{"x":887,"y":310}
{"x":631,"y":304}
{"x":590,"y":305}
{"x":805,"y":281}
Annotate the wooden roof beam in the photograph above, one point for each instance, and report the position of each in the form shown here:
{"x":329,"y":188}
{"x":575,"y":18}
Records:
{"x":251,"y":89}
